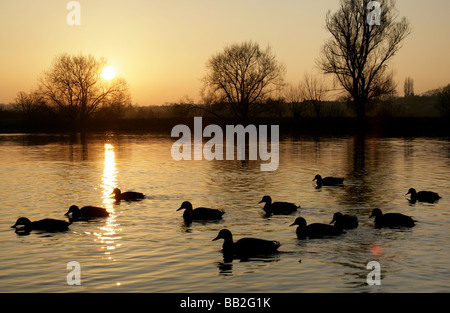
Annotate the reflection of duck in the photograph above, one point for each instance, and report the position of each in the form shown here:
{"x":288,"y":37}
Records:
{"x":315,"y":230}
{"x":128,"y":195}
{"x":86,"y":212}
{"x":278,"y":207}
{"x":423,"y":196}
{"x":391,"y":219}
{"x":328,"y":181}
{"x":47,"y":224}
{"x":200,"y":213}
{"x":246,"y":246}
{"x":345,"y":221}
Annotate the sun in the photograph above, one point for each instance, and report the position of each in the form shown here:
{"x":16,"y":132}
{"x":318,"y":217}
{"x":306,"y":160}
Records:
{"x":108,"y":72}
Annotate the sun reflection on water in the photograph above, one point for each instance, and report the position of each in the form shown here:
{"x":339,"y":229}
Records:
{"x":109,"y":236}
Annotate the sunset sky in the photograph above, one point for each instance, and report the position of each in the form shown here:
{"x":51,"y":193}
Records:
{"x":161,"y":46}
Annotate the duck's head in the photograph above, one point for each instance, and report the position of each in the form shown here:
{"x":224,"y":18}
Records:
{"x":376,"y":212}
{"x":411,"y":191}
{"x":116,"y":191}
{"x":266,"y":199}
{"x":336,"y":216}
{"x":317,"y":177}
{"x":73,"y":209}
{"x":300,"y":221}
{"x":224,"y":234}
{"x":22,"y":221}
{"x":185,"y":205}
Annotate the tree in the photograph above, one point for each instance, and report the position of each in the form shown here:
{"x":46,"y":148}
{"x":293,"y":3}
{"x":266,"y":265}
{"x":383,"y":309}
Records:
{"x":74,"y":85}
{"x":315,"y":91}
{"x":294,"y":95}
{"x":30,"y":104}
{"x":243,"y":75}
{"x":408,"y":87}
{"x":358,"y":53}
{"x":443,"y":101}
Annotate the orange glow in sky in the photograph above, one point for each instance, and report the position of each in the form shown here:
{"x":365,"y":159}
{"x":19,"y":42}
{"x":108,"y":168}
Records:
{"x":161,"y":47}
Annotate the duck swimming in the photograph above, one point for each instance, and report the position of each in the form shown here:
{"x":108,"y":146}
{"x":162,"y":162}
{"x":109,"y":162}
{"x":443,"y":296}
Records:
{"x":278,"y":207}
{"x":128,"y":195}
{"x":328,"y":181}
{"x":86,"y":212}
{"x":200,"y":213}
{"x":391,"y":220}
{"x":345,"y":221}
{"x":47,"y":224}
{"x":423,"y":196}
{"x":246,"y":246}
{"x":315,"y":230}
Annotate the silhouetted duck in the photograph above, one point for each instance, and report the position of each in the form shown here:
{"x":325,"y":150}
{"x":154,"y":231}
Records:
{"x":315,"y":230}
{"x":328,"y":181}
{"x":391,"y":219}
{"x":246,"y":246}
{"x":75,"y":213}
{"x":200,"y":213}
{"x":345,"y":221}
{"x":47,"y":224}
{"x":278,"y":207}
{"x":423,"y":196}
{"x":128,"y":195}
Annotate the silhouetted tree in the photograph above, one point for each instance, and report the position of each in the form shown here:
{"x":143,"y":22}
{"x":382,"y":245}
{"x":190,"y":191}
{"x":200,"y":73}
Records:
{"x":243,"y":75}
{"x":315,"y":91}
{"x":443,"y":101}
{"x":358,"y":53}
{"x":75,"y":86}
{"x":31,"y":105}
{"x":408,"y":87}
{"x":294,"y":96}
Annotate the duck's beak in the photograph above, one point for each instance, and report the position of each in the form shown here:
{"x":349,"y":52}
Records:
{"x":260,"y":201}
{"x":216,"y":238}
{"x":180,"y":209}
{"x":67,"y":214}
{"x":332,"y":221}
{"x":292,"y":224}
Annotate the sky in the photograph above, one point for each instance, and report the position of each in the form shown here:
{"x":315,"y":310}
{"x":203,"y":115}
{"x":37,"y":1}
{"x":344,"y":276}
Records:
{"x":161,"y":47}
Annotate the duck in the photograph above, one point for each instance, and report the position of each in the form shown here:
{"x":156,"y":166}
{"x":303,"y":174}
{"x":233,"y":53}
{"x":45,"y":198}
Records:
{"x":345,"y":221}
{"x":328,"y":181}
{"x":200,"y":213}
{"x":391,"y":220}
{"x":86,"y":212}
{"x":246,"y":246}
{"x":423,"y":196}
{"x":128,"y":195}
{"x":47,"y":225}
{"x":315,"y":230}
{"x":278,"y":207}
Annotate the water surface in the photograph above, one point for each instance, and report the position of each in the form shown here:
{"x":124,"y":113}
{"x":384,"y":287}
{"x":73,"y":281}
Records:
{"x":146,"y":247}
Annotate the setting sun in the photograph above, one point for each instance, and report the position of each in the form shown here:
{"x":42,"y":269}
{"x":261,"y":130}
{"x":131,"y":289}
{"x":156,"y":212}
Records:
{"x":108,"y":73}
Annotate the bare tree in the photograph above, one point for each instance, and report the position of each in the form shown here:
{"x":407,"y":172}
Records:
{"x":294,"y":96}
{"x":75,"y":86}
{"x":243,"y":75}
{"x":443,"y":101}
{"x":315,"y":91}
{"x":29,"y":104}
{"x":359,"y":52}
{"x":408,"y":87}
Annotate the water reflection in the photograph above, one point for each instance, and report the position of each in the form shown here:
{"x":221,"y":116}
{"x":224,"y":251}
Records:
{"x":109,"y":236}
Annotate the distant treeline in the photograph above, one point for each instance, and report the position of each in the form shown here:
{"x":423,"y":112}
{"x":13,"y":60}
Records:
{"x":301,"y":116}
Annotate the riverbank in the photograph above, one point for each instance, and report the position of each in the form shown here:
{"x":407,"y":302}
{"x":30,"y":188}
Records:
{"x":372,"y":126}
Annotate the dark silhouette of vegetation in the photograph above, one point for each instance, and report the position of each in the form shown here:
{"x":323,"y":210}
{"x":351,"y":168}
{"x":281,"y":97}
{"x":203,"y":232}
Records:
{"x":358,"y":54}
{"x":408,"y":87}
{"x":242,"y":75}
{"x":76,"y":89}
